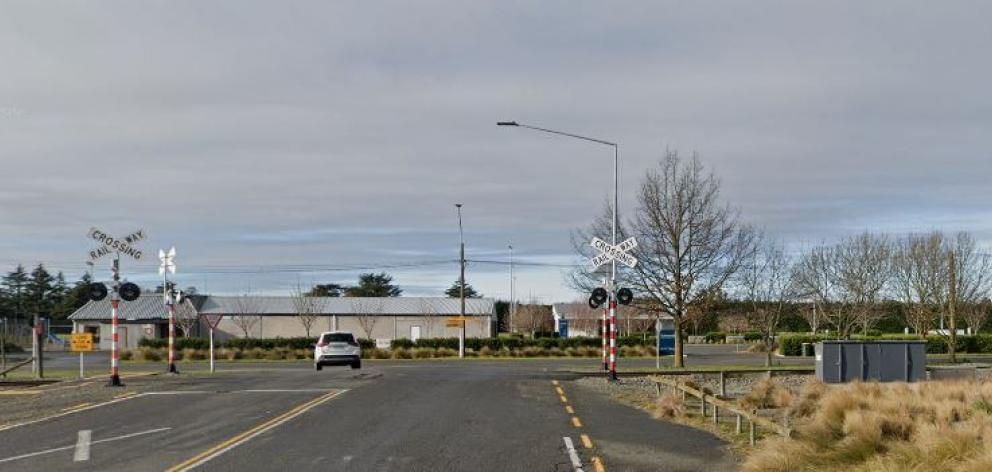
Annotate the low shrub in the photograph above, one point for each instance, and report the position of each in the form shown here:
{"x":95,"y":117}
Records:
{"x":127,"y":355}
{"x":715,"y":337}
{"x":752,"y":336}
{"x":401,"y":353}
{"x":190,"y":354}
{"x":792,"y":345}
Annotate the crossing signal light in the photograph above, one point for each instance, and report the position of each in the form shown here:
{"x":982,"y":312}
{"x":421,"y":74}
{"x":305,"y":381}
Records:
{"x":129,"y":292}
{"x":599,"y":297}
{"x":97,"y":291}
{"x":625,"y":296}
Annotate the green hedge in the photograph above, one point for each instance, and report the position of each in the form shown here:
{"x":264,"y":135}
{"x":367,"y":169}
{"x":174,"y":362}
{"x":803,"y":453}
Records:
{"x":791,"y":345}
{"x":753,"y":336}
{"x":474,"y":344}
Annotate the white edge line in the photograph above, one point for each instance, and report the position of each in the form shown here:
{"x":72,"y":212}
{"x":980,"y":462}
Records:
{"x":82,"y":452}
{"x":59,"y":415}
{"x":259,"y":432}
{"x":574,"y":456}
{"x":66,"y":448}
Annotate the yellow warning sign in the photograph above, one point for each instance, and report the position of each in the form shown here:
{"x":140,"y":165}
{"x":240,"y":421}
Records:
{"x":81,"y":342}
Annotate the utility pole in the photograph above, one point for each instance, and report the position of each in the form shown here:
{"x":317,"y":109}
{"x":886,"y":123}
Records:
{"x":3,"y":343}
{"x":513,"y":300}
{"x":952,"y":301}
{"x":461,"y":281}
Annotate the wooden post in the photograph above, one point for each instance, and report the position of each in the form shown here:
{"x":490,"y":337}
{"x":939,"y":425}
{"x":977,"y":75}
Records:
{"x":716,"y":414}
{"x":702,"y":406}
{"x":657,"y":388}
{"x":740,"y":424}
{"x":723,"y":384}
{"x":753,"y":430}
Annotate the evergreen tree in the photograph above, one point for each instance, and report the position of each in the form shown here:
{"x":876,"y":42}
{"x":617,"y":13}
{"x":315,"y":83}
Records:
{"x":15,"y":291}
{"x":374,"y":285}
{"x":454,"y":292}
{"x":77,"y":296}
{"x":39,"y":292}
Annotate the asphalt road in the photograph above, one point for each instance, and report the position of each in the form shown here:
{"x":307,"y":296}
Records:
{"x":404,"y":416}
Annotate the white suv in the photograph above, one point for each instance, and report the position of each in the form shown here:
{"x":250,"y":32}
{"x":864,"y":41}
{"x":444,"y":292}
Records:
{"x":337,"y":348}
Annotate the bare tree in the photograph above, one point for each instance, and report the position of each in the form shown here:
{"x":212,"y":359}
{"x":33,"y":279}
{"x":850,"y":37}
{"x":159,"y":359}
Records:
{"x":976,"y":314}
{"x":973,"y":273}
{"x":430,"y":317}
{"x":919,"y":272}
{"x":367,"y":311}
{"x":766,"y":282}
{"x":308,"y":307}
{"x":186,"y":317}
{"x":533,"y":317}
{"x":689,"y":242}
{"x":815,"y":277}
{"x":246,"y":313}
{"x":863,"y":269}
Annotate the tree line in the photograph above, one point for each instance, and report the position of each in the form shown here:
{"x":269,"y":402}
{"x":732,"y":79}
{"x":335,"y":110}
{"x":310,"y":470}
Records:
{"x":695,"y":249}
{"x":25,"y":294}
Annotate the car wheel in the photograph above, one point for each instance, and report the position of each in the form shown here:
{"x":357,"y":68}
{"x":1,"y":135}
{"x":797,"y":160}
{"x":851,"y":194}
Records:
{"x":356,"y":365}
{"x":318,"y":366}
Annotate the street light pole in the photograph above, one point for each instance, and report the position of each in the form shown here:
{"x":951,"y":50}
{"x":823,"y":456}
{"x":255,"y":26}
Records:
{"x":509,"y":328}
{"x":461,"y":282}
{"x":616,"y":203}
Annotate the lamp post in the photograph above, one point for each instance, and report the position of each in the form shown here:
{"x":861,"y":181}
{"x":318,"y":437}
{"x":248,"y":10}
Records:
{"x":616,"y":201}
{"x":513,"y":299}
{"x":461,"y":282}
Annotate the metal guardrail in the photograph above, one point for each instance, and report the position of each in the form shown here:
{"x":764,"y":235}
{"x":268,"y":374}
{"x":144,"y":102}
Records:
{"x":717,"y":403}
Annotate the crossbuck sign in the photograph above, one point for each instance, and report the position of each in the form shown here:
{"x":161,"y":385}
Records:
{"x":609,"y":252}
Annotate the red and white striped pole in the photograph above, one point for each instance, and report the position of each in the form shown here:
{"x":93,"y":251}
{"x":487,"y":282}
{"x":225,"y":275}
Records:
{"x":172,"y":338}
{"x":115,"y":378}
{"x":613,"y":336}
{"x":606,"y":364}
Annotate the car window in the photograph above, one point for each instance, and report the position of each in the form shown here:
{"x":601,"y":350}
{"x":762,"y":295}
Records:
{"x":338,"y":338}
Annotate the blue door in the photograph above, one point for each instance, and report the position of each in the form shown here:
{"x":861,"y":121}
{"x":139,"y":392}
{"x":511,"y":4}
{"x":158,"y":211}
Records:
{"x":563,"y":328}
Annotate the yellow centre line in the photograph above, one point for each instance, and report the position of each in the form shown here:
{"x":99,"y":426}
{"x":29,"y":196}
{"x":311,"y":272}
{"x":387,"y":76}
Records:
{"x":559,"y":390}
{"x":81,"y":405}
{"x":586,"y":442}
{"x":569,"y":409}
{"x":597,"y":464}
{"x":576,"y":422}
{"x":562,"y":398}
{"x":240,"y":438}
{"x":554,"y":382}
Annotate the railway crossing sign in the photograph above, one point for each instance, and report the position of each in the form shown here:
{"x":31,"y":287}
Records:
{"x":110,"y":244}
{"x":168,"y":261}
{"x":609,"y":252}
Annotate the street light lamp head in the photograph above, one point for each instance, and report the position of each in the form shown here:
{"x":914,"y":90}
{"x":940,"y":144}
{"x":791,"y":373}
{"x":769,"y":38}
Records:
{"x":458,"y":205}
{"x":507,"y":123}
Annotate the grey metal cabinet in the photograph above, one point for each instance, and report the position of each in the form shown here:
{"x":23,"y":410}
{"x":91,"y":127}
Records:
{"x":883,"y":361}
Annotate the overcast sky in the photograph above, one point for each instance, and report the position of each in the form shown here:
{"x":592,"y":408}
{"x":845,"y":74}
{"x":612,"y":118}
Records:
{"x":275,"y":135}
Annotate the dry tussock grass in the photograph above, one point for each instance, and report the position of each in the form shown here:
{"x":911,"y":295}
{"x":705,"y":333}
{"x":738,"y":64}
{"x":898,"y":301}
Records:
{"x":885,"y":427}
{"x":669,"y":406}
{"x":767,"y":394}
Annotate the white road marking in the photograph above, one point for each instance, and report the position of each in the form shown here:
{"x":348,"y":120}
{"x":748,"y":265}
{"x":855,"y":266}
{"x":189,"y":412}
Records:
{"x":82,"y":446}
{"x":66,"y":448}
{"x":39,"y":420}
{"x":178,"y":392}
{"x":574,"y":456}
{"x":283,"y":390}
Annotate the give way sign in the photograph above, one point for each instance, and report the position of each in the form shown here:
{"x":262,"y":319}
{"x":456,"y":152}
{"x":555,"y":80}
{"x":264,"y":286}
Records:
{"x":609,"y":252}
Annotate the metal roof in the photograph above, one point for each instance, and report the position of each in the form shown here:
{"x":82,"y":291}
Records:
{"x":348,"y":305}
{"x":150,"y":306}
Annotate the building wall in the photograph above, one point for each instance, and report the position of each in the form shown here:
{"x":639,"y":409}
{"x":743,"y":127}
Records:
{"x":128,"y":333}
{"x":384,"y":327}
